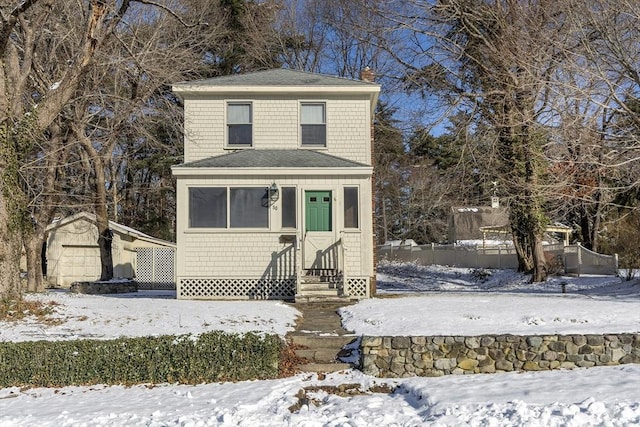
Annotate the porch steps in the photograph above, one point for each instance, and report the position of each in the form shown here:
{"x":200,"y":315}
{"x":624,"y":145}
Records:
{"x":319,"y":288}
{"x":321,"y":338}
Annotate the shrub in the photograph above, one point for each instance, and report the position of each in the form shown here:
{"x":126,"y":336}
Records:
{"x":480,"y":275}
{"x":210,"y":357}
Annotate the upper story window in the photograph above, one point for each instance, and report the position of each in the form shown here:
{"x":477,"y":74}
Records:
{"x":313,"y":124}
{"x":239,"y":124}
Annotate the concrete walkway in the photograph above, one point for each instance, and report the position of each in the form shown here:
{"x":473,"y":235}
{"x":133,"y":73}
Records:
{"x":319,"y":331}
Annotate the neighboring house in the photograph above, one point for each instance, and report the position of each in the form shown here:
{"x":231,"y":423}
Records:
{"x":473,"y":223}
{"x":72,"y":254}
{"x":467,"y":222}
{"x":275,"y":195}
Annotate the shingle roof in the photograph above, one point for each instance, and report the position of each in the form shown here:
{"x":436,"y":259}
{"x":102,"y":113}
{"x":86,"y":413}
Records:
{"x":277,"y":77}
{"x":273,"y":159}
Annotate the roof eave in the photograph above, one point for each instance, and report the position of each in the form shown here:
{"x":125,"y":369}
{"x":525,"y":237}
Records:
{"x":373,"y":90}
{"x":227,"y":171}
{"x":206,"y":89}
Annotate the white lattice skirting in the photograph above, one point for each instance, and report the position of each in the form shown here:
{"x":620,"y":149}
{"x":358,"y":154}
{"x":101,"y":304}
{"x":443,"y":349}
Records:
{"x":357,"y":287}
{"x":155,"y":268}
{"x":237,"y":288}
{"x":156,"y":286}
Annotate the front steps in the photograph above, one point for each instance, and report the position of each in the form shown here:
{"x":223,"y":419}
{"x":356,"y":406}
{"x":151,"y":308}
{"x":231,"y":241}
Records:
{"x":319,"y":286}
{"x":322,"y":353}
{"x":321,"y":338}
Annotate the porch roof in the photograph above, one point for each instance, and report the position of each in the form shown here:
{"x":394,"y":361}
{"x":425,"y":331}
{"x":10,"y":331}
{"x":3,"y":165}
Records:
{"x":290,"y":159}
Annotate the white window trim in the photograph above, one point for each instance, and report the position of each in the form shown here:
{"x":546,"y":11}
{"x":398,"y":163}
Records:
{"x":326,"y":127}
{"x":296,"y":191}
{"x":358,"y":204}
{"x":227,"y":228}
{"x":228,"y":146}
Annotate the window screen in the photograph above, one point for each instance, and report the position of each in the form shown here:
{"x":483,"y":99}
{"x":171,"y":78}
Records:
{"x":288,"y":207}
{"x":208,"y":207}
{"x":313,"y":124}
{"x":239,"y":119}
{"x":249,"y":208}
{"x":351,"y":207}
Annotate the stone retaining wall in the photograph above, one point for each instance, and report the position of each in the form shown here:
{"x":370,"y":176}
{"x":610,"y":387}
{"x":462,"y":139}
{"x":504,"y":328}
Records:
{"x":108,"y":287}
{"x":443,"y":355}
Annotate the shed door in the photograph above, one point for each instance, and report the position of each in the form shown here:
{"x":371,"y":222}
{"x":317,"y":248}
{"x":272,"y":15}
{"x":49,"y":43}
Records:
{"x":319,"y":246}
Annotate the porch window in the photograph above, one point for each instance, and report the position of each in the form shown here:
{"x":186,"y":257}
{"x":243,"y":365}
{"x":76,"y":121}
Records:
{"x":351,"y":207}
{"x":239,"y":124}
{"x":208,"y":207}
{"x":249,"y":208}
{"x":288,"y":207}
{"x":313,"y":125}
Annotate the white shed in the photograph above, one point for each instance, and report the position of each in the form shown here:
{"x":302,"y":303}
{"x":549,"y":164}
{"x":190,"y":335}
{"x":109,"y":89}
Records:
{"x":72,"y":253}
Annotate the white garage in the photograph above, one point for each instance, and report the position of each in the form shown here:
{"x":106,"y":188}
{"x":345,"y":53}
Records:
{"x":72,"y":254}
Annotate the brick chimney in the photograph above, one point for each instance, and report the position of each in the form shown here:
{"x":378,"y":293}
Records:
{"x":367,"y":75}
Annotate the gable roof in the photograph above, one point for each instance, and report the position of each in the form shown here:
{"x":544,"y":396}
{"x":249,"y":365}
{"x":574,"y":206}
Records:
{"x":288,"y":160}
{"x":122,"y":229}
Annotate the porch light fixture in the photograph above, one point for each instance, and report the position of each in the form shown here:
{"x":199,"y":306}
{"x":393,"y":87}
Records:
{"x":274,"y":193}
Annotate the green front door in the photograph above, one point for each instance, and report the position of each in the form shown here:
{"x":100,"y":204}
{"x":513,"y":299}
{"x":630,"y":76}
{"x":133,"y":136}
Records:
{"x":318,"y":210}
{"x":319,"y":240}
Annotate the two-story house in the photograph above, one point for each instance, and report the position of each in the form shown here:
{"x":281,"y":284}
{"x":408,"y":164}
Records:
{"x":274,"y":199}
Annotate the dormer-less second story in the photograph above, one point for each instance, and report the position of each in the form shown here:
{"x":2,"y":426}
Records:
{"x":278,"y":109}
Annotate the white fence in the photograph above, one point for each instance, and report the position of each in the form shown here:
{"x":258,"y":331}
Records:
{"x":575,"y":258}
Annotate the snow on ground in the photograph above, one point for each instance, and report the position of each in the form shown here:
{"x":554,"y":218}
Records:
{"x":459,"y":301}
{"x":597,"y":396}
{"x":431,"y":300}
{"x":148,"y":313}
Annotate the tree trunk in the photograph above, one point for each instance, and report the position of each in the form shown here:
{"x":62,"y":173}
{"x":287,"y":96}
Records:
{"x":585,"y":227}
{"x":33,"y":248}
{"x":10,"y":250}
{"x":105,"y":234}
{"x":106,"y":259}
{"x":385,"y":237}
{"x":539,"y":273}
{"x":525,"y":263}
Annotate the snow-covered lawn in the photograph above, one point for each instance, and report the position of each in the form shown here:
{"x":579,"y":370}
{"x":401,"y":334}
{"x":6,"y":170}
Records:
{"x":148,"y":313}
{"x":438,"y":300}
{"x":416,"y":300}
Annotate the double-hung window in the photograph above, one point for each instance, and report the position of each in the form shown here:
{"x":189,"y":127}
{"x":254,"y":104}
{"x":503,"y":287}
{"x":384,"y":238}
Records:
{"x":239,"y":124}
{"x":313,"y":124}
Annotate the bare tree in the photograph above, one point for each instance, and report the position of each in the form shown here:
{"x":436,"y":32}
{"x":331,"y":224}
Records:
{"x":81,"y":69}
{"x":125,"y":93}
{"x":26,"y":109}
{"x":499,"y":62}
